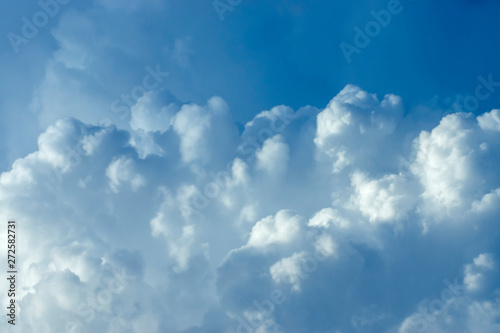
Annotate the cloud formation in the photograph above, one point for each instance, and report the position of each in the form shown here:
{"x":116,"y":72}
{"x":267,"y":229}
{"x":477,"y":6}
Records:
{"x":315,"y":220}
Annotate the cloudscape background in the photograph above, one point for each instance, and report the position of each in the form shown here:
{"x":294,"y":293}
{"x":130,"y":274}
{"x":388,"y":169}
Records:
{"x":224,"y":166}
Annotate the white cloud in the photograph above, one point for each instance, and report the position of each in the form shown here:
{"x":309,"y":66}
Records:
{"x":488,"y":202}
{"x":474,"y":273}
{"x":192,"y":124}
{"x":384,"y":200}
{"x":484,"y":260}
{"x":445,"y":164}
{"x":490,"y":121}
{"x":352,"y":122}
{"x":274,"y":155}
{"x":207,"y":231}
{"x":328,"y":217}
{"x":151,"y":115}
{"x":204,"y":131}
{"x":457,"y":308}
{"x":325,"y":245}
{"x":281,"y":228}
{"x":123,"y":170}
{"x":173,"y":222}
{"x":289,"y":270}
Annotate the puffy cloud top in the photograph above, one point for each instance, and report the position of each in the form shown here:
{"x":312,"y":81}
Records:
{"x":181,"y":225}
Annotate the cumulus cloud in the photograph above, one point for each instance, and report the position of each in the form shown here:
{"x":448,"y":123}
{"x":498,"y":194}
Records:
{"x":122,"y":170}
{"x":355,"y":118}
{"x":152,"y":113}
{"x":202,"y":130}
{"x":457,"y":307}
{"x":282,"y":228}
{"x":273,"y":157}
{"x":382,"y":200}
{"x":289,"y":270}
{"x":444,"y":161}
{"x":179,"y":224}
{"x":474,"y":272}
{"x":328,"y":217}
{"x":490,"y":121}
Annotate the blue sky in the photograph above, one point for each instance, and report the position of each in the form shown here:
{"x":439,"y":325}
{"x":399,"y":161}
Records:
{"x":267,"y":53}
{"x":247,"y":175}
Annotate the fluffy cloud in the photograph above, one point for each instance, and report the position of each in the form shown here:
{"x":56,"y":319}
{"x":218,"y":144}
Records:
{"x":444,"y":162}
{"x":152,"y":113}
{"x":202,"y":130}
{"x":352,"y":123}
{"x":474,"y":272}
{"x":273,"y":157}
{"x":289,"y":270}
{"x":282,"y":228}
{"x":385,"y":199}
{"x":490,"y":121}
{"x":457,"y":307}
{"x":179,"y":224}
{"x":122,"y":170}
{"x":328,"y":217}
